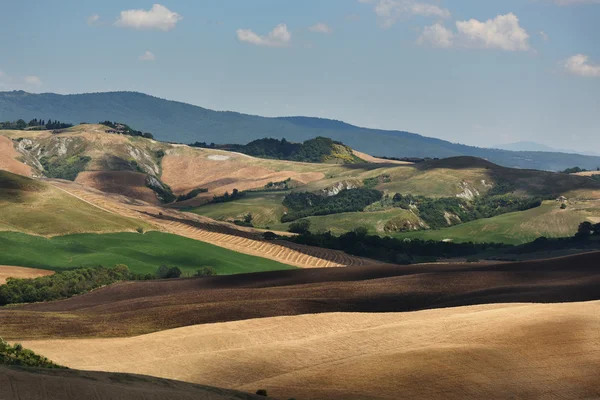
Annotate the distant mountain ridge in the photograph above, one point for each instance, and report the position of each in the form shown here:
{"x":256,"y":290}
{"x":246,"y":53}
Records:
{"x":180,"y":122}
{"x":533,"y":146}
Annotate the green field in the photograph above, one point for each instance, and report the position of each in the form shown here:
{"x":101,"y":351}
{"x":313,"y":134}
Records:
{"x":142,"y":253}
{"x":378,"y":222}
{"x":31,"y":206}
{"x":513,"y":228}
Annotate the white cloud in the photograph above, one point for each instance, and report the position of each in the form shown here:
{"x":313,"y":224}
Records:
{"x":93,"y":20}
{"x":147,"y":56}
{"x":502,"y":32}
{"x":320,"y":28}
{"x":579,"y":65}
{"x":389,"y":11}
{"x":158,"y":17}
{"x":32,"y":80}
{"x":544,"y":35}
{"x":437,"y":35}
{"x":278,"y":37}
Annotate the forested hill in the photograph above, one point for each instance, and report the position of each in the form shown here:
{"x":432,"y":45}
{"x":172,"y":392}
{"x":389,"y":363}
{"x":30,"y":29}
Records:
{"x":185,"y":123}
{"x":317,"y":150}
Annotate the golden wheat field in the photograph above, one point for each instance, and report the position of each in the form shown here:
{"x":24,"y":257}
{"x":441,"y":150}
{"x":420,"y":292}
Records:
{"x":489,"y":351}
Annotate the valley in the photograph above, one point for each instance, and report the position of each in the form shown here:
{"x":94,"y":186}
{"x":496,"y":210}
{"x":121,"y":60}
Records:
{"x":309,"y":299}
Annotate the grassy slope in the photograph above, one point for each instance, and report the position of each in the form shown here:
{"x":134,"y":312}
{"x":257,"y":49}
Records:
{"x":142,"y":253}
{"x":265,"y":207}
{"x":35,"y":207}
{"x":513,"y":228}
{"x":375,"y":222}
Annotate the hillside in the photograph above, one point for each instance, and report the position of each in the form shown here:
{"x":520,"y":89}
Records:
{"x":157,"y":172}
{"x":495,"y":351}
{"x":184,"y":123}
{"x":143,"y":307}
{"x":43,"y":384}
{"x":35,"y":207}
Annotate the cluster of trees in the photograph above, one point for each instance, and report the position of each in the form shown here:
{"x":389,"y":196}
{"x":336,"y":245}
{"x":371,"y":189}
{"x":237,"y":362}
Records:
{"x":392,"y":250}
{"x":65,"y":284}
{"x":18,"y":356}
{"x":64,"y":167}
{"x":191,"y":194}
{"x":372,"y":182}
{"x":301,"y":205}
{"x":126,"y":129}
{"x":246,"y":221}
{"x":314,"y":150}
{"x":61,"y":285}
{"x":34,"y":124}
{"x":204,"y":145}
{"x":235,"y":195}
{"x":576,"y":170}
{"x":435,"y":212}
{"x":281,"y":185}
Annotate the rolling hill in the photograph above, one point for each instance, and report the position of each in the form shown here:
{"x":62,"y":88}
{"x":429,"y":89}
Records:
{"x":136,"y":308}
{"x":153,"y":172}
{"x":496,"y":351}
{"x":32,"y":206}
{"x":43,"y":384}
{"x":185,"y":123}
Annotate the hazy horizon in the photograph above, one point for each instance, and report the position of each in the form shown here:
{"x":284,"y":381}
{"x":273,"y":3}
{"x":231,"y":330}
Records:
{"x":462,"y":71}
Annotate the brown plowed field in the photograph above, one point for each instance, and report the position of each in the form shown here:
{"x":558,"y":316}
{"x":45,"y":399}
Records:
{"x":142,"y":307}
{"x":127,"y":183}
{"x":243,"y":240}
{"x":8,"y":158}
{"x":503,"y":351}
{"x":38,"y":384}
{"x":21,"y":273}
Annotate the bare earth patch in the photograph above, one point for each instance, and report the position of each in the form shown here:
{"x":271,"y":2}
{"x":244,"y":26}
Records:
{"x":21,"y":273}
{"x":8,"y":159}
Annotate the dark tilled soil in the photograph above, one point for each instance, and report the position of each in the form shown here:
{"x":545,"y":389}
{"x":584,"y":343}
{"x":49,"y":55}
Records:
{"x":142,"y":307}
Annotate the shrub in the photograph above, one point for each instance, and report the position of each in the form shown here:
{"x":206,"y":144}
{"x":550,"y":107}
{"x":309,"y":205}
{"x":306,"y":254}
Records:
{"x":269,"y":236}
{"x":563,"y":206}
{"x":164,"y":272}
{"x":206,"y":271}
{"x":301,"y":227}
{"x":261,"y":392}
{"x":18,"y":356}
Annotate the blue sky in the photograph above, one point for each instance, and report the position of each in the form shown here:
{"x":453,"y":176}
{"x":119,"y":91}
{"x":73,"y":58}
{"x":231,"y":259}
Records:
{"x":470,"y":71}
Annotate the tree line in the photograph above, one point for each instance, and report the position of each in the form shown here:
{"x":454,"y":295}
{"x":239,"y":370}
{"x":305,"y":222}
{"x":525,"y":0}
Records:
{"x":306,"y":204}
{"x":125,"y":129}
{"x":410,"y":251}
{"x":35,"y":123}
{"x":392,"y":250}
{"x":66,"y":284}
